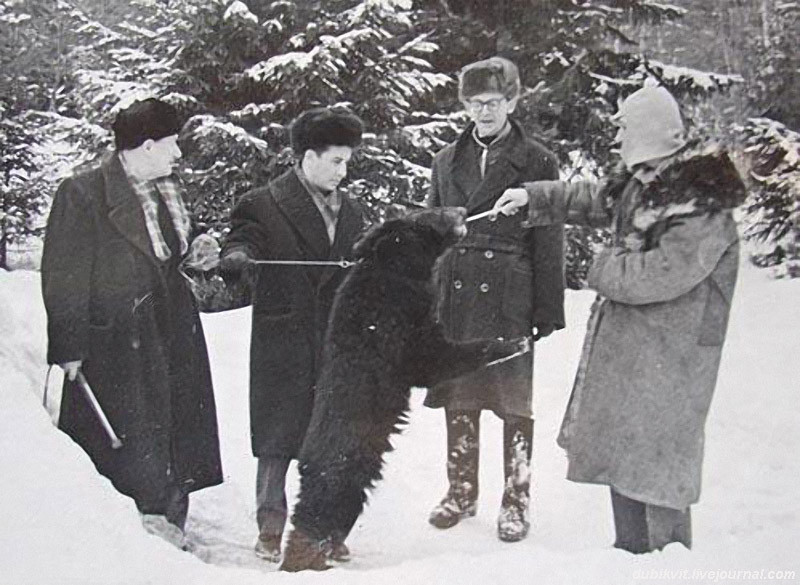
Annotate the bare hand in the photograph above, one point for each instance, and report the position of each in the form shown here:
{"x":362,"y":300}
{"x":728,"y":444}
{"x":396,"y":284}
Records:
{"x":511,"y":201}
{"x":71,"y":369}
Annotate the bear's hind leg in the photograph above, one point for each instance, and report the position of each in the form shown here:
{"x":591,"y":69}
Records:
{"x":304,"y":552}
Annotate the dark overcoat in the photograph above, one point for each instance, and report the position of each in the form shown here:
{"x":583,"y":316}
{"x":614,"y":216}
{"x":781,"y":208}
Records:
{"x":290,"y":304}
{"x":133,"y":321}
{"x":503,"y":277}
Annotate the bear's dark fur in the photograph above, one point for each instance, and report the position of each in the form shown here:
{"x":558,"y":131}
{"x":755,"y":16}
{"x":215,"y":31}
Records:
{"x":382,"y":339}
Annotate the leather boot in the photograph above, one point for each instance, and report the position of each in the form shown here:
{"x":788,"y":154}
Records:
{"x":463,"y":433}
{"x":512,"y":522}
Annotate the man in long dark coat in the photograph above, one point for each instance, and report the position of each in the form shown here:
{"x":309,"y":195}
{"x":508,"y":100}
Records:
{"x":300,"y":216}
{"x":502,"y":280}
{"x":120,"y":314}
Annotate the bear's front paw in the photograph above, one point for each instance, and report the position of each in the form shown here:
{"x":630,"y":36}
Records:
{"x":502,"y":350}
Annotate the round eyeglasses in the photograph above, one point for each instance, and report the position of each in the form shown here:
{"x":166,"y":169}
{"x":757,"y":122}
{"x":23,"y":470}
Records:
{"x":491,"y":106}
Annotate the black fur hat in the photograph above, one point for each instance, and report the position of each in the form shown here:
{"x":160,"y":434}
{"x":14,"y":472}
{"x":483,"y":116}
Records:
{"x":319,"y":128}
{"x":496,"y":74}
{"x":143,"y":120}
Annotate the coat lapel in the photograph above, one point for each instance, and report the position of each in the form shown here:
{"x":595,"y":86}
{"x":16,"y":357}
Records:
{"x":463,"y":175}
{"x":302,"y":214}
{"x":125,"y":210}
{"x":348,"y":226}
{"x":503,"y":169}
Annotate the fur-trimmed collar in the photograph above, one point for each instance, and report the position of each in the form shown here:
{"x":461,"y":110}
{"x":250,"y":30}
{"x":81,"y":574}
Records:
{"x":699,"y":179}
{"x":703,"y":173}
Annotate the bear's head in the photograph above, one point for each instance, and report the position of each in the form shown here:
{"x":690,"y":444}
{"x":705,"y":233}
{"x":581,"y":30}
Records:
{"x":410,"y":245}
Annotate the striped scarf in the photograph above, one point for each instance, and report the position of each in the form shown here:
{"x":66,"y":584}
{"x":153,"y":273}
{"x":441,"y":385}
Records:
{"x":169,"y":190}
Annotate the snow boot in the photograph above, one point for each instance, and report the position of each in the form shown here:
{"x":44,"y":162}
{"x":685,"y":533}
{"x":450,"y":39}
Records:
{"x":512,"y":522}
{"x":462,"y":470}
{"x":268,"y":547}
{"x":304,"y":552}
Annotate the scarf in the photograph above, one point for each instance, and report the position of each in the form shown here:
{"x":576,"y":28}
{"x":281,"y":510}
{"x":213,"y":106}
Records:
{"x":170,"y":192}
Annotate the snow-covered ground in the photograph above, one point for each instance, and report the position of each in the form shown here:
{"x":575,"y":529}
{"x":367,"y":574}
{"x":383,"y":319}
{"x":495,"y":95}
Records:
{"x":63,"y":524}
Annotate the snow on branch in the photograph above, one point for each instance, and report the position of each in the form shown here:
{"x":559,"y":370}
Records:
{"x":772,"y":211}
{"x":674,"y":75}
{"x":238,"y":10}
{"x":275,"y":67}
{"x":669,"y":10}
{"x":208,"y":125}
{"x":138,"y":30}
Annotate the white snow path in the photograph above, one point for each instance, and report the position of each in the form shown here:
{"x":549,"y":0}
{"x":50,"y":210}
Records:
{"x":62,"y":524}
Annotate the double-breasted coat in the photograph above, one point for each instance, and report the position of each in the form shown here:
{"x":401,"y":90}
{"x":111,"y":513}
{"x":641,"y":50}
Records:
{"x":291,"y":304}
{"x":502,"y":278}
{"x":133,"y":321}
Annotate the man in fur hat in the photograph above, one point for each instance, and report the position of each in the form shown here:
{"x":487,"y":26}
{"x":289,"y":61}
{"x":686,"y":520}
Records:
{"x":652,"y":351}
{"x":501,"y":280}
{"x":298,"y":216}
{"x":121,"y":315}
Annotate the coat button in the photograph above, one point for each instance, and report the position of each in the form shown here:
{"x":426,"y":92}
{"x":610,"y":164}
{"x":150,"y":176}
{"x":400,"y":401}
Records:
{"x":484,"y":287}
{"x":488,"y":254}
{"x":458,"y":284}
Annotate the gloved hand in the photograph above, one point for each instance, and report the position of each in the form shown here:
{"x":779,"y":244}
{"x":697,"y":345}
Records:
{"x":541,"y":330}
{"x":203,"y":254}
{"x":236,"y":266}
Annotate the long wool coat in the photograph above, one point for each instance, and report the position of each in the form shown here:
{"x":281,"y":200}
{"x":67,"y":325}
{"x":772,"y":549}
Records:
{"x":133,"y":321}
{"x":502,"y":278}
{"x":647,"y":375}
{"x":290,"y":304}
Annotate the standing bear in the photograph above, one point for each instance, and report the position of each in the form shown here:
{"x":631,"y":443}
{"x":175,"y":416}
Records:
{"x":382,"y":339}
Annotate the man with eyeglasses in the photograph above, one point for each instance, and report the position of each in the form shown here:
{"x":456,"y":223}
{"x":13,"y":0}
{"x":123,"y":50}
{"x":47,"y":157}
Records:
{"x":502,"y":280}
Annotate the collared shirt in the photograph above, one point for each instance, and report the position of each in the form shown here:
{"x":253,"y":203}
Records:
{"x":485,"y":147}
{"x":327,"y":203}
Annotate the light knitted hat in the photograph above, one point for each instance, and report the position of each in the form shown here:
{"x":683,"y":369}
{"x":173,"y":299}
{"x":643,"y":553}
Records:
{"x":651,"y":123}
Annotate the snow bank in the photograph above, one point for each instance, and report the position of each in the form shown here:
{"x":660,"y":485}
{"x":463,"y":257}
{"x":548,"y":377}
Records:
{"x":64,"y":524}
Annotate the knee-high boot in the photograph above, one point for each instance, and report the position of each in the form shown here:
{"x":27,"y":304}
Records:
{"x":463,"y":434}
{"x":512,"y":522}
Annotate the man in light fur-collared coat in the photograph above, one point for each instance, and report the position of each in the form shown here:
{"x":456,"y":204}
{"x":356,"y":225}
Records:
{"x":636,"y":417}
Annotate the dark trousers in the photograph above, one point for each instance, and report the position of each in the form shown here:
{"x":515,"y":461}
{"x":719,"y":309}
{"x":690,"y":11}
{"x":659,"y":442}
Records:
{"x":173,"y":504}
{"x":644,"y":527}
{"x":271,"y":508}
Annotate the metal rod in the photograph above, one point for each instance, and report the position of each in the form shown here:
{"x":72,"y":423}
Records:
{"x":527,"y":347}
{"x":482,"y":215}
{"x":489,"y":213}
{"x":87,"y":390}
{"x":339,"y":263}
